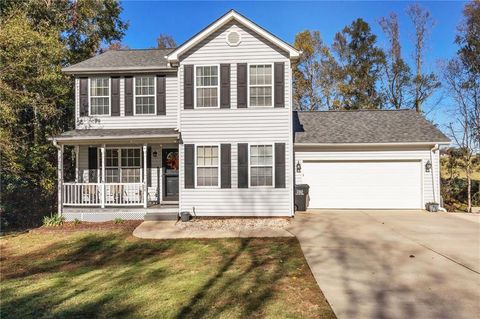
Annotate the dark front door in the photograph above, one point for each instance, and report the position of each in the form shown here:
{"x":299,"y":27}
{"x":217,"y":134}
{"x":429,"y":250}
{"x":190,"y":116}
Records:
{"x":170,"y":174}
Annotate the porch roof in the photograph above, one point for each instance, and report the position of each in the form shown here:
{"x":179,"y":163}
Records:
{"x":102,"y":135}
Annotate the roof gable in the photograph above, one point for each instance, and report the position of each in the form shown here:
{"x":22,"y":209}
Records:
{"x":173,"y":57}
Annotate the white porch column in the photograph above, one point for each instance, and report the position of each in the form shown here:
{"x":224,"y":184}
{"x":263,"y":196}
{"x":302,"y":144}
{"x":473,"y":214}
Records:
{"x":60,"y":180}
{"x":145,"y":187}
{"x":102,"y":180}
{"x":77,"y":152}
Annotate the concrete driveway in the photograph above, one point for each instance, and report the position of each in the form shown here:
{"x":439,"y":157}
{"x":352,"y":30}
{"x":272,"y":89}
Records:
{"x":393,"y":264}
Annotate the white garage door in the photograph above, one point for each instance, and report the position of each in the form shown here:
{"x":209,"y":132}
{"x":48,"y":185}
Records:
{"x":372,"y":184}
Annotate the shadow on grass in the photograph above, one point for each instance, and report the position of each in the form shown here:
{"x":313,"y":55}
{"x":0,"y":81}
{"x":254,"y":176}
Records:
{"x":112,"y":275}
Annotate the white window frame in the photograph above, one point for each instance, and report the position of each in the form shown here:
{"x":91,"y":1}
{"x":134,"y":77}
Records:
{"x":120,"y":163}
{"x":135,"y":95}
{"x":248,"y":85}
{"x":250,"y":165}
{"x":109,"y":96}
{"x":199,"y":87}
{"x":196,"y":165}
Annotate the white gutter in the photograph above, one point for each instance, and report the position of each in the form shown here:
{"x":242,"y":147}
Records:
{"x":370,"y":144}
{"x":432,"y":151}
{"x":86,"y":138}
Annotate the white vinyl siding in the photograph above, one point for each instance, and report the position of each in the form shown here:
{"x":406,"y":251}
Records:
{"x":99,"y":97}
{"x":207,"y":164}
{"x":260,"y":85}
{"x":234,"y":125}
{"x":120,"y":122}
{"x":430,"y":183}
{"x":207,"y":86}
{"x":144,"y":95}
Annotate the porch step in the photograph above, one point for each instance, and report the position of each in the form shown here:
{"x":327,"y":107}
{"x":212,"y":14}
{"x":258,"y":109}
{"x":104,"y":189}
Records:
{"x":161,"y":216}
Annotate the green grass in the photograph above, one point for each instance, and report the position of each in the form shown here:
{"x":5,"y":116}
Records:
{"x":110,"y":274}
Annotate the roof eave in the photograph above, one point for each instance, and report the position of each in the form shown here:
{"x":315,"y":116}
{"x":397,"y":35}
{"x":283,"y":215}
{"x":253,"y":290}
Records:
{"x":374,"y":144}
{"x":173,"y":57}
{"x":74,"y":71}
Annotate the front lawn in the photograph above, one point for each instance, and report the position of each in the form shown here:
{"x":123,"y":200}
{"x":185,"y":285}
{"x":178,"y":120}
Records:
{"x":107,"y":273}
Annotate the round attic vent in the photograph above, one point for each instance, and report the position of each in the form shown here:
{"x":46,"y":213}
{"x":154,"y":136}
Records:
{"x":233,"y":38}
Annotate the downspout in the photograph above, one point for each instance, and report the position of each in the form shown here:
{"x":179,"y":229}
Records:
{"x":433,"y":150}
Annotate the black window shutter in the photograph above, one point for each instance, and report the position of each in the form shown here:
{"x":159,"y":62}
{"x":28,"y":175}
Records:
{"x":92,"y":158}
{"x":279,"y":165}
{"x":115,"y":96}
{"x":225,"y":86}
{"x":188,"y":87}
{"x":149,"y":166}
{"x":161,"y":95}
{"x":241,"y":85}
{"x":226,"y":166}
{"x":83,"y":97}
{"x":242,"y":165}
{"x":189,"y":166}
{"x":128,"y":96}
{"x":279,"y":79}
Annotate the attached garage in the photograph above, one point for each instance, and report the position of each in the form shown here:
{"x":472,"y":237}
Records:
{"x":368,"y":159}
{"x":364,"y":184}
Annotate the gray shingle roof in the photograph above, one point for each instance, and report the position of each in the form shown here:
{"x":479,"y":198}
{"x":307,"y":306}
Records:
{"x":123,"y":60}
{"x":116,"y":133}
{"x":366,"y":126}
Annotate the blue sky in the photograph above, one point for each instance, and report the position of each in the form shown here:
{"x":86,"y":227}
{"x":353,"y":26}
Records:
{"x":147,"y":19}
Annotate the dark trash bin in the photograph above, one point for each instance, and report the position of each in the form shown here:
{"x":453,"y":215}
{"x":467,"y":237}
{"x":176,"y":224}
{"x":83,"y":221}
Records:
{"x":301,"y":197}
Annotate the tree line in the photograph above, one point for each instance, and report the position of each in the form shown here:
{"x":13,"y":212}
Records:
{"x":356,"y":73}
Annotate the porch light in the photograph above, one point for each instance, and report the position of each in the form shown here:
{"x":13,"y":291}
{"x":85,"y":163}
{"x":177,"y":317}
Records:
{"x":299,"y":167}
{"x":154,"y":153}
{"x":428,"y":166}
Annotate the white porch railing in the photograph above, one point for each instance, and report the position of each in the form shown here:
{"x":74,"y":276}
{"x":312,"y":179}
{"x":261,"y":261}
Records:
{"x":82,"y":194}
{"x":103,"y":194}
{"x":120,"y":194}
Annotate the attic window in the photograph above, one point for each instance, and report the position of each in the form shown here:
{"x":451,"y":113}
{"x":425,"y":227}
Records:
{"x":233,"y":38}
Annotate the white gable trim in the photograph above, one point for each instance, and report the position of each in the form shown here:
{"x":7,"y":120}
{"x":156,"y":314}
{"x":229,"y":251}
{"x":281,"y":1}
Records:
{"x":231,"y":15}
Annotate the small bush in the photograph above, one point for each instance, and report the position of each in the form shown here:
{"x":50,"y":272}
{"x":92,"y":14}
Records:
{"x":77,"y":221}
{"x":118,"y":221}
{"x":53,"y":220}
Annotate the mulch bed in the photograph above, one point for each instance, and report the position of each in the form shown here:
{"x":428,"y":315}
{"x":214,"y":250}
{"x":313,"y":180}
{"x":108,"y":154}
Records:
{"x":69,"y":227}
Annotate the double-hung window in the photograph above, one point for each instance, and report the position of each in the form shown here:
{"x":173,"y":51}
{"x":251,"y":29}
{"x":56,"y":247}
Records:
{"x":207,"y":86}
{"x":145,"y":95}
{"x":99,"y":96}
{"x":260,"y":85}
{"x":123,"y":165}
{"x":261,"y":165}
{"x":207,"y":166}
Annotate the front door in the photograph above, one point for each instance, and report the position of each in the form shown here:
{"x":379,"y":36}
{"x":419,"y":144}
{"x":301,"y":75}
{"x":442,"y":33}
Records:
{"x":170,"y":165}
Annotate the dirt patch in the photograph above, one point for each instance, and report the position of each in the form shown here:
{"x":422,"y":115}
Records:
{"x":234,"y":224}
{"x":68,"y":227}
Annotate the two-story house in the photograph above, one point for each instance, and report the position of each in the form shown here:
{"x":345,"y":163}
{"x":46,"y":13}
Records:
{"x":209,"y":128}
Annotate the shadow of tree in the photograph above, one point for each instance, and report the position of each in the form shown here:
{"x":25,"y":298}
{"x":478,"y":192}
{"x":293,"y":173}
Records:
{"x":98,"y":275}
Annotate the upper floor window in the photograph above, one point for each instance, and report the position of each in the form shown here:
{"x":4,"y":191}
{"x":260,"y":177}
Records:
{"x":145,"y":95}
{"x":99,"y":96}
{"x":260,"y":84}
{"x":206,"y":80}
{"x":207,"y":166}
{"x":261,"y":165}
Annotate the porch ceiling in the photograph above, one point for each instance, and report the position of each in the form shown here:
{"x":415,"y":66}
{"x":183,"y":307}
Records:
{"x":89,"y":136}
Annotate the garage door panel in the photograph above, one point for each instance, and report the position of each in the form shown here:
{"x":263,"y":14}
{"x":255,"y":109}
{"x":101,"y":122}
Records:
{"x":389,"y":184}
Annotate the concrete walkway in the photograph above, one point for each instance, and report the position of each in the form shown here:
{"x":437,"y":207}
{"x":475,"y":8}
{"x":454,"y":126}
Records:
{"x":393,"y":264}
{"x":168,"y":230}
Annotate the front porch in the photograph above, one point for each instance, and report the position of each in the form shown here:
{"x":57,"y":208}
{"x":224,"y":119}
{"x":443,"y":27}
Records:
{"x":118,"y":174}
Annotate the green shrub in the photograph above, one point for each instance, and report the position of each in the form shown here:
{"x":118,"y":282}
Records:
{"x":118,"y":220}
{"x":53,"y":220}
{"x":77,"y":221}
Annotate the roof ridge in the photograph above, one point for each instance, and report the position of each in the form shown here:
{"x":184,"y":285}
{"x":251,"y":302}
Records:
{"x":143,"y":49}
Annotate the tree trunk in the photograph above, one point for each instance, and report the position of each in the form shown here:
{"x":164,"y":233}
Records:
{"x":469,"y":191}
